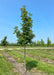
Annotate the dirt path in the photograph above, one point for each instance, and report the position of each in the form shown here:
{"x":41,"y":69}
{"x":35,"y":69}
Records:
{"x":38,"y":48}
{"x":18,"y":66}
{"x":41,"y":59}
{"x":29,"y":48}
{"x":1,"y":49}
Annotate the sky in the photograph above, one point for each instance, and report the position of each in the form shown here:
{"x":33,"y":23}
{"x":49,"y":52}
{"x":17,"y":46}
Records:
{"x":42,"y":15}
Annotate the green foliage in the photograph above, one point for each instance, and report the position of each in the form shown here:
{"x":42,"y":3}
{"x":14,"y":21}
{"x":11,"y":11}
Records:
{"x":42,"y":42}
{"x":48,"y":42}
{"x":13,"y":44}
{"x":4,"y":42}
{"x":26,"y":35}
{"x":38,"y":43}
{"x":34,"y":43}
{"x":52,"y":44}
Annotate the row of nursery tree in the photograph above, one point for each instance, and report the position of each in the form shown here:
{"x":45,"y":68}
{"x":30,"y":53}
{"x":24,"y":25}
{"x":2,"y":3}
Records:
{"x":41,"y":43}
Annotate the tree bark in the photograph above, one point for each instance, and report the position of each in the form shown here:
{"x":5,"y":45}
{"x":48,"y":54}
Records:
{"x":25,"y":58}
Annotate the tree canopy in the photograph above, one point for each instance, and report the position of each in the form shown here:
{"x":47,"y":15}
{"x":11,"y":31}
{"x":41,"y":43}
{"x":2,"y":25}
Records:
{"x":25,"y":35}
{"x":4,"y":41}
{"x":48,"y":42}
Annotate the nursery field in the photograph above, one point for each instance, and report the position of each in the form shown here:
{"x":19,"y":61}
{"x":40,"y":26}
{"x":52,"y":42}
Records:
{"x":6,"y":68}
{"x":38,"y":61}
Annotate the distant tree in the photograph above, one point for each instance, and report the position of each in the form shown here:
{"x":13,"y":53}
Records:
{"x":13,"y":44}
{"x":34,"y":43}
{"x":4,"y":41}
{"x":48,"y":42}
{"x":42,"y":42}
{"x":52,"y":44}
{"x":26,"y":35}
{"x":0,"y":44}
{"x":38,"y":43}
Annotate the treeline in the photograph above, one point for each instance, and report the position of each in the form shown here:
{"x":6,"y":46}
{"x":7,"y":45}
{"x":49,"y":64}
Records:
{"x":41,"y":43}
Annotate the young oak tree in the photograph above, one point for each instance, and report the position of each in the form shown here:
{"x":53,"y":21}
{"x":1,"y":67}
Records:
{"x":42,"y":42}
{"x":38,"y":43}
{"x":48,"y":42}
{"x":25,"y":35}
{"x":34,"y":43}
{"x":4,"y":42}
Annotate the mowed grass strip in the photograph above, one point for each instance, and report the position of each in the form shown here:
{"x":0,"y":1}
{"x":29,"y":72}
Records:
{"x":6,"y":68}
{"x":32,"y":63}
{"x":44,"y":54}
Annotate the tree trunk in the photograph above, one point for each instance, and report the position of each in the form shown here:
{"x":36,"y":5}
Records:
{"x":25,"y":58}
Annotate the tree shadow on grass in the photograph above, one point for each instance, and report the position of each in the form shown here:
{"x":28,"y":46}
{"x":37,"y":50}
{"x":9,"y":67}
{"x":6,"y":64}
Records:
{"x":31,"y":64}
{"x":1,"y":57}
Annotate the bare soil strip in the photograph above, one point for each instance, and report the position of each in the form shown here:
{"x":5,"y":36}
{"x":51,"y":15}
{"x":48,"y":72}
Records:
{"x":1,"y":49}
{"x":37,"y":48}
{"x":28,"y":48}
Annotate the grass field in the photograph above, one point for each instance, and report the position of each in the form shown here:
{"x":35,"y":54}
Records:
{"x":44,"y":53}
{"x":6,"y":68}
{"x":34,"y":61}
